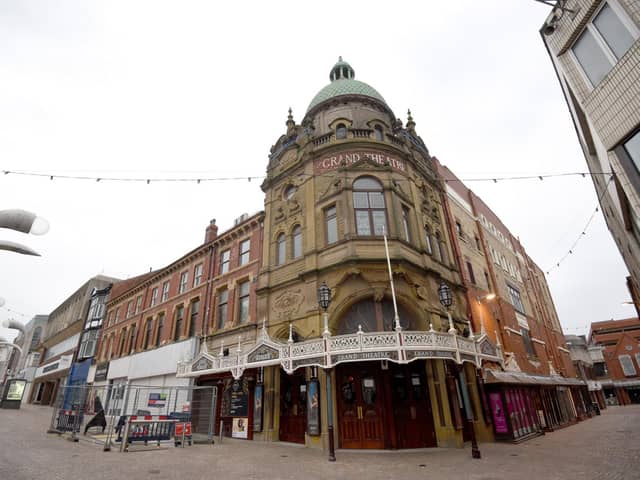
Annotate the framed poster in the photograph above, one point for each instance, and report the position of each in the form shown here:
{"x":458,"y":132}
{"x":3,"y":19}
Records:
{"x":497,"y":410}
{"x":257,"y":407}
{"x":239,"y":427}
{"x":313,"y":407}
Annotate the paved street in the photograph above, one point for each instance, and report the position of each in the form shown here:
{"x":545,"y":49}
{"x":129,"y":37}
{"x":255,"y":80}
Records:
{"x":604,"y":447}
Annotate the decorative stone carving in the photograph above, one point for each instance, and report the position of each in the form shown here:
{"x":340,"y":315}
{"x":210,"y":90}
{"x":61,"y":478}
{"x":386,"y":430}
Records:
{"x":288,"y":304}
{"x":422,"y":292}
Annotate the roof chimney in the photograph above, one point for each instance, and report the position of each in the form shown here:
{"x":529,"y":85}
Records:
{"x":211,"y":232}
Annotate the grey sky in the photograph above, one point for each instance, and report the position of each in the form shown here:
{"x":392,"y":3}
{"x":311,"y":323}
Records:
{"x":138,"y":89}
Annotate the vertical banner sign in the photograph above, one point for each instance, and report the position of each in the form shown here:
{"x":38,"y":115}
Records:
{"x":497,"y":409}
{"x":313,"y":407}
{"x":257,"y":407}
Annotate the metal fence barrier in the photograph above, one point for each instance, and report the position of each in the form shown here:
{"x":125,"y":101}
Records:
{"x":126,"y":413}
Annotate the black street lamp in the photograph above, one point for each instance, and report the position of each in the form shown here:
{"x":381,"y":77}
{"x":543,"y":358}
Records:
{"x":324,"y":300}
{"x":446,"y":299}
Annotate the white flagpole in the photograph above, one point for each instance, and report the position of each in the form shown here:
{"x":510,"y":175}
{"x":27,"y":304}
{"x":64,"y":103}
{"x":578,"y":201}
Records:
{"x":393,"y":290}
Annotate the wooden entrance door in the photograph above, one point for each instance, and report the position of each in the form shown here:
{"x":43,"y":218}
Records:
{"x":360,"y":406}
{"x":411,"y":406}
{"x":293,"y":407}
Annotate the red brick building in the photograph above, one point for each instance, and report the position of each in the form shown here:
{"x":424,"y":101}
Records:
{"x":157,"y":319}
{"x":620,"y":340}
{"x":508,"y":299}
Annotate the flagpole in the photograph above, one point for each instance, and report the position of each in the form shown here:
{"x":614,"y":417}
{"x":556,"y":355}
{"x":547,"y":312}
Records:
{"x":393,"y":290}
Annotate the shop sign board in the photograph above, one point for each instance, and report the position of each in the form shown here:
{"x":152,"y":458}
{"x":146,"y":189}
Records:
{"x":358,"y":356}
{"x":101,"y":371}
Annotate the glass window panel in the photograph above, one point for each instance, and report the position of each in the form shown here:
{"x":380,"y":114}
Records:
{"x":366,"y":183}
{"x":244,"y":288}
{"x":376,"y":200}
{"x":379,"y":222}
{"x":360,"y":200}
{"x":363,"y":226}
{"x":626,"y":363}
{"x":632,"y":146}
{"x":613,"y":31}
{"x":332,"y":225}
{"x":593,"y":60}
{"x":281,"y":249}
{"x":297,"y":242}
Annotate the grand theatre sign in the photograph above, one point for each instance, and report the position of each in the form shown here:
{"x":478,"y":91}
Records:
{"x":329,"y":351}
{"x":343,"y":159}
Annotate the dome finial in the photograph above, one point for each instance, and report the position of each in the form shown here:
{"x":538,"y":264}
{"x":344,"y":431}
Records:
{"x":291,"y":124}
{"x":342,"y":71}
{"x":410,"y":123}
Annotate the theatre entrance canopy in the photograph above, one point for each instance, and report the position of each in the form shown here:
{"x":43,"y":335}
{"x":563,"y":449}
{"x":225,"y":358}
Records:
{"x":331,"y":350}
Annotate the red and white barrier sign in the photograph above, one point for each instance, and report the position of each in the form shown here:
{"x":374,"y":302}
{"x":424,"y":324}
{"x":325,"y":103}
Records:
{"x":183,"y":428}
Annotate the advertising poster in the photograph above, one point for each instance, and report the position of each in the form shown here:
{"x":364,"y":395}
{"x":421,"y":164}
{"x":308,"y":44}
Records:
{"x":313,"y":407}
{"x":157,"y":400}
{"x":499,"y":417}
{"x":257,"y":407}
{"x":239,"y":429}
{"x":239,"y":399}
{"x":16,"y":389}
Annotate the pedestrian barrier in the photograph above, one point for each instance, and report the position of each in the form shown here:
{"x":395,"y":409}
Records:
{"x":146,"y":428}
{"x":69,"y":421}
{"x":182,"y":431}
{"x":150,"y":413}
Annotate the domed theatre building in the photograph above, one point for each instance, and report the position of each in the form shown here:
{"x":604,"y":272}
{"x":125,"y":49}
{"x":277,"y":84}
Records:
{"x":353,"y":330}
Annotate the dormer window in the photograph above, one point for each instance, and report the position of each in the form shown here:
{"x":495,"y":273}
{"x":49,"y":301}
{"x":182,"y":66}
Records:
{"x":341,"y":131}
{"x":377,"y":131}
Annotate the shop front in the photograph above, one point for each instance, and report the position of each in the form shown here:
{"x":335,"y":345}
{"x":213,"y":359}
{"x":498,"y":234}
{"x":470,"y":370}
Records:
{"x":49,"y":378}
{"x":383,"y":388}
{"x":523,"y":405}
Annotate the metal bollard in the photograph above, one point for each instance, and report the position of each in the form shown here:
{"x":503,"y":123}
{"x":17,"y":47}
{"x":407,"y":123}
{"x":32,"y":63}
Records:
{"x":221,"y":427}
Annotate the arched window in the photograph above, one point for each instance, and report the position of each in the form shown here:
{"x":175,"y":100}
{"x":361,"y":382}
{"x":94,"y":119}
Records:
{"x":377,"y":131}
{"x":289,"y":192}
{"x":429,"y":237}
{"x":369,"y":206}
{"x":441,"y":248}
{"x":373,"y":316}
{"x":341,"y":131}
{"x":281,"y":249}
{"x":297,"y":241}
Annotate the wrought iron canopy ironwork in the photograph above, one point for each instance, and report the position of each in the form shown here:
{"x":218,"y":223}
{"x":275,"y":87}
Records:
{"x":328,"y":351}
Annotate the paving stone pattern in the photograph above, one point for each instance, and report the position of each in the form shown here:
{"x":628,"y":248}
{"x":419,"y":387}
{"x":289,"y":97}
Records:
{"x":604,"y":447}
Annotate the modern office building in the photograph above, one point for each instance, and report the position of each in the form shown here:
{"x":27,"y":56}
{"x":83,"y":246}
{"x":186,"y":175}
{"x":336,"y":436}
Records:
{"x":595,"y":49}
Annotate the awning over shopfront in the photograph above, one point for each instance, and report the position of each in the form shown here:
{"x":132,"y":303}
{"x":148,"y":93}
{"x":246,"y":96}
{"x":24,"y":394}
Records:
{"x":626,"y":383}
{"x":328,"y":351}
{"x":521,"y":378}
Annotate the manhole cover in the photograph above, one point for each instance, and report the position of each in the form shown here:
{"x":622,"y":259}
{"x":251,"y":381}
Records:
{"x":513,"y":454}
{"x":154,"y":471}
{"x":422,"y":465}
{"x":284,"y":456}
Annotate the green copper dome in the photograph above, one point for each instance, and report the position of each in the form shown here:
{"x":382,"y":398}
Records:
{"x":343,"y":83}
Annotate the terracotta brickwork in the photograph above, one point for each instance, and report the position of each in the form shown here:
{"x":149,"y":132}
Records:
{"x":178,"y":301}
{"x":492,"y":260}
